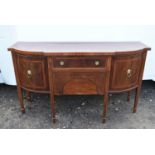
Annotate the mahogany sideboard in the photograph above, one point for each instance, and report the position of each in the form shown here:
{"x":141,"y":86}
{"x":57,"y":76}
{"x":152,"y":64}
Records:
{"x":67,"y":68}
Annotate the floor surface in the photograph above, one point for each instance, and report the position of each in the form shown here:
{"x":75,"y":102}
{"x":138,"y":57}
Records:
{"x":78,"y":112}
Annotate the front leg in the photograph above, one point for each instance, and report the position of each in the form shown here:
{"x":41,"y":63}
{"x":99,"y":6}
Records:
{"x":52,"y":107}
{"x":105,"y":104}
{"x":137,"y":95}
{"x":20,"y":96}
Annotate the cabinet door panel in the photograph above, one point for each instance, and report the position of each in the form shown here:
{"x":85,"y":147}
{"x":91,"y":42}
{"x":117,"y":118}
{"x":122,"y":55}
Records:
{"x":32,"y":72}
{"x":125,"y":71}
{"x":79,"y":83}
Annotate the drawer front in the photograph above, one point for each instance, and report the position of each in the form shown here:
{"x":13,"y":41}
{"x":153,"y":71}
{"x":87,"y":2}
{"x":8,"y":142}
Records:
{"x":78,"y":62}
{"x":79,"y":83}
{"x":33,"y":72}
{"x":125,"y":71}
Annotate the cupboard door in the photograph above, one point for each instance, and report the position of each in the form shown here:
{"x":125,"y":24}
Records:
{"x":79,"y":83}
{"x":125,"y":71}
{"x":32,"y":71}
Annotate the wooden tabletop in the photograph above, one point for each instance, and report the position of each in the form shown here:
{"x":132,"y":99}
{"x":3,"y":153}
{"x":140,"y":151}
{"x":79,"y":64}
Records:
{"x":70,"y":47}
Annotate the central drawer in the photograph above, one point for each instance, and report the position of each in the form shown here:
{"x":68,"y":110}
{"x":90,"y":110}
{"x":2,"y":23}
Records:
{"x":79,"y":62}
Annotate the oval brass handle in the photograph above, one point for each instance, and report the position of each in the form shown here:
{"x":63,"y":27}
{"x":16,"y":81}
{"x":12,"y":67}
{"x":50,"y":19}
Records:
{"x":97,"y":63}
{"x":61,"y":63}
{"x":29,"y":73}
{"x":129,"y":73}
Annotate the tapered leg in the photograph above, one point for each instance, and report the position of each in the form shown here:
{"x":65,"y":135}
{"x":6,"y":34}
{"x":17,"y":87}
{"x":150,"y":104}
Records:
{"x":51,"y":82}
{"x":20,"y":96}
{"x":105,"y":107}
{"x":128,"y":97}
{"x":137,"y":94}
{"x":52,"y":108}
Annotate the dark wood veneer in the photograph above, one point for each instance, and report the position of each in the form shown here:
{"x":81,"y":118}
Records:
{"x":119,"y":72}
{"x":79,"y":62}
{"x":33,"y":72}
{"x":68,"y":73}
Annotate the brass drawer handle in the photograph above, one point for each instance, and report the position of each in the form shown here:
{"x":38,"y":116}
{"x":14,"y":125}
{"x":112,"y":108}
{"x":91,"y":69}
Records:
{"x":61,"y":63}
{"x":29,"y":73}
{"x":129,"y":73}
{"x":97,"y":63}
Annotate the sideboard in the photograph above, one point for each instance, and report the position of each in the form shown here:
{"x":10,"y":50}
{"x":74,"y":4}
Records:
{"x":81,"y":68}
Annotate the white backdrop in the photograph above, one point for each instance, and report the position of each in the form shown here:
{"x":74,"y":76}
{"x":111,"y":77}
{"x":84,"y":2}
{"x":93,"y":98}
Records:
{"x":11,"y":34}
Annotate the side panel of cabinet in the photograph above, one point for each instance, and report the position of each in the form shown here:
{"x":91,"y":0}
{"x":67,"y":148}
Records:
{"x":32,"y":72}
{"x":125,"y":71}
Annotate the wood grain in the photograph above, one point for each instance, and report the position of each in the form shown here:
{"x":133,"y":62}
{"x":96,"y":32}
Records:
{"x":79,"y":69}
